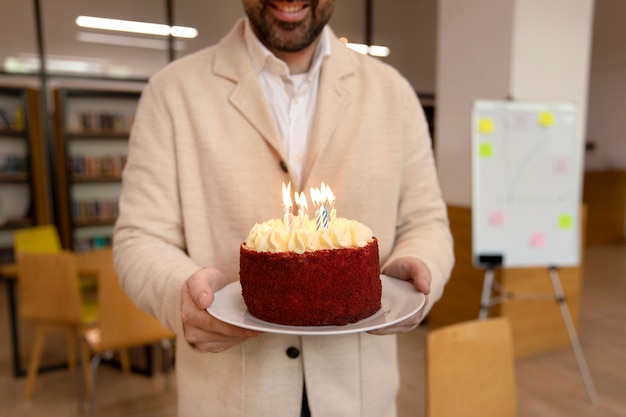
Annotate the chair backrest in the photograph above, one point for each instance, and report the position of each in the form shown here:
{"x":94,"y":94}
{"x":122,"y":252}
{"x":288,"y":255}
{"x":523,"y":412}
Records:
{"x":470,"y":370}
{"x":96,"y":258}
{"x":120,"y":322}
{"x":40,"y":239}
{"x":48,"y":287}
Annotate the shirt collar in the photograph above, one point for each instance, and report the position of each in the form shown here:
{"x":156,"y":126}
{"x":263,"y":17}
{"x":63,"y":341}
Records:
{"x":262,"y":58}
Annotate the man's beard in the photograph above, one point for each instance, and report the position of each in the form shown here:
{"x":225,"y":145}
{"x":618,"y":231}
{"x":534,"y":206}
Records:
{"x":289,"y":36}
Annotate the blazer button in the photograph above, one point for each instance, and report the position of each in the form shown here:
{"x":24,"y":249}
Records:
{"x":283,"y":166}
{"x":293,"y":352}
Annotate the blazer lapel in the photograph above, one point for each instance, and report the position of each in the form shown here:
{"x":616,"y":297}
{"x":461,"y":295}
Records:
{"x":332,"y":101}
{"x":232,"y":62}
{"x":249,"y":99}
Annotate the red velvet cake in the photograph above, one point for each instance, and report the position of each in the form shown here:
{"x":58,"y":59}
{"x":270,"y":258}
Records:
{"x":300,"y":272}
{"x":314,"y":288}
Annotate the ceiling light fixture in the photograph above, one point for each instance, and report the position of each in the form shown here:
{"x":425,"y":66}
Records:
{"x":367,"y":48}
{"x":136,"y":27}
{"x":373,"y":50}
{"x":377,"y":50}
{"x":28,"y":63}
{"x":130,"y":41}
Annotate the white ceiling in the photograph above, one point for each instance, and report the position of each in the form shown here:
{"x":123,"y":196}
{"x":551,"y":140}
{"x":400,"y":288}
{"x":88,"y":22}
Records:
{"x":212,"y":18}
{"x":407,"y":26}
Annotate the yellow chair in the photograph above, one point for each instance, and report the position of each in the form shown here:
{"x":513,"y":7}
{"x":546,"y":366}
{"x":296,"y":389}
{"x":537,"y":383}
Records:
{"x":51,"y":302}
{"x":470,"y":370}
{"x":121,"y":326}
{"x":39,"y":239}
{"x":45,"y":239}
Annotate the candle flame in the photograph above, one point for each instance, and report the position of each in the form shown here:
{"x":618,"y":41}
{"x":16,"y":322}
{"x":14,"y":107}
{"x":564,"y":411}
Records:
{"x":287,"y":202}
{"x":322,"y":195}
{"x":301,"y":202}
{"x":330,"y":197}
{"x":316,"y":197}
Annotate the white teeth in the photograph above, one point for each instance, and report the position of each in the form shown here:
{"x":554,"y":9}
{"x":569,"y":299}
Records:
{"x":289,"y":8}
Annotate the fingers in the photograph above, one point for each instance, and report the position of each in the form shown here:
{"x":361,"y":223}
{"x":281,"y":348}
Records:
{"x":411,"y":269}
{"x":422,"y":281}
{"x":401,"y":327}
{"x":218,"y":337}
{"x":402,"y":268}
{"x":201,"y":330}
{"x":203,"y":284}
{"x":394,"y":330}
{"x":404,"y":326}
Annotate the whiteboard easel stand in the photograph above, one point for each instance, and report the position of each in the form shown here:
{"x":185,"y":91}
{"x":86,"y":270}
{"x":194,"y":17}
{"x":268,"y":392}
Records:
{"x":487,"y":300}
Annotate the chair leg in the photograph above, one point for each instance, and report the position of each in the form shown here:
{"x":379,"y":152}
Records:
{"x":85,"y":355}
{"x":71,"y":336}
{"x":124,"y":360}
{"x":95,"y":362}
{"x":167,"y":363}
{"x":33,"y":366}
{"x":80,"y":376}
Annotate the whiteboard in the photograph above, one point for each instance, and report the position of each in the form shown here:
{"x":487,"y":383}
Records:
{"x":526,"y":184}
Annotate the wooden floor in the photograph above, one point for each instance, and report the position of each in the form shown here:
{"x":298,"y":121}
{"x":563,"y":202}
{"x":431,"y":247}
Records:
{"x":549,"y":384}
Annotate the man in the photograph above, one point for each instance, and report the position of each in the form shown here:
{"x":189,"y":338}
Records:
{"x":279,"y":99}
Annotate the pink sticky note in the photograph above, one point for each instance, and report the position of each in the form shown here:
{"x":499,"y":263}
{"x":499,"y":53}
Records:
{"x":537,"y":240}
{"x":496,"y":218}
{"x":562,"y":166}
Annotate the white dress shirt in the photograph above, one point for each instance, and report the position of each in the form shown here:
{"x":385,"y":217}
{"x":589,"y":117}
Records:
{"x":292,"y":97}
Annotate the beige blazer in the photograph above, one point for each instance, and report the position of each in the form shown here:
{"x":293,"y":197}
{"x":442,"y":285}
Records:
{"x":204,"y":165}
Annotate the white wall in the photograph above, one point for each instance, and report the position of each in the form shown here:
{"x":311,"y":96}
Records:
{"x":552,"y":51}
{"x":474,"y":60}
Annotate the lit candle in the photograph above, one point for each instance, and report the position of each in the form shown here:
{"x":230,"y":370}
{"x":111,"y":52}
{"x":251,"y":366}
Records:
{"x":303,"y":208}
{"x":287,"y":204}
{"x":330,"y":197}
{"x":324,"y":216}
{"x":316,"y":198}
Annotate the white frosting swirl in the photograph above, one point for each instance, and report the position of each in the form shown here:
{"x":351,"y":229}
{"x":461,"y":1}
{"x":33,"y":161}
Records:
{"x":274,"y":236}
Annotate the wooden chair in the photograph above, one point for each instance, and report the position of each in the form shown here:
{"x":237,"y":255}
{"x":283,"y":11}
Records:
{"x":98,"y":259}
{"x":121,"y":326}
{"x":51,"y":302}
{"x":470,"y":370}
{"x":45,"y":239}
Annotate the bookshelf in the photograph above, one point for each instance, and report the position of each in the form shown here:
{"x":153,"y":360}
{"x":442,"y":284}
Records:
{"x":92,"y":130}
{"x":24,"y":199}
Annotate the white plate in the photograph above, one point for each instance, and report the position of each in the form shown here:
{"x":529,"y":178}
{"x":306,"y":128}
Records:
{"x":400,"y":300}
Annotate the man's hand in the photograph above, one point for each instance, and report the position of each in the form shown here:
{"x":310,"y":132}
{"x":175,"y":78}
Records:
{"x":415,"y":271}
{"x":201,"y":330}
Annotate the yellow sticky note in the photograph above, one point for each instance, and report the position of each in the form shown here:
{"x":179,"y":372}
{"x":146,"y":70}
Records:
{"x":485,"y":150}
{"x":485,"y":125}
{"x":565,"y":221}
{"x":546,"y":118}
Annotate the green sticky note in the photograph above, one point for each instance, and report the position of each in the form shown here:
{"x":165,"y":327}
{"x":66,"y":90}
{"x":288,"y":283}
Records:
{"x":485,"y":125}
{"x":565,"y":221}
{"x":485,"y":150}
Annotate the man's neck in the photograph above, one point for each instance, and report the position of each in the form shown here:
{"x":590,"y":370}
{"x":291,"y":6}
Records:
{"x":298,"y":62}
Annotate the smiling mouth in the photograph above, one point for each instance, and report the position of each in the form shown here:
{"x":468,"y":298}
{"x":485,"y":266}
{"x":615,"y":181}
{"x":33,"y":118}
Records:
{"x":289,"y":7}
